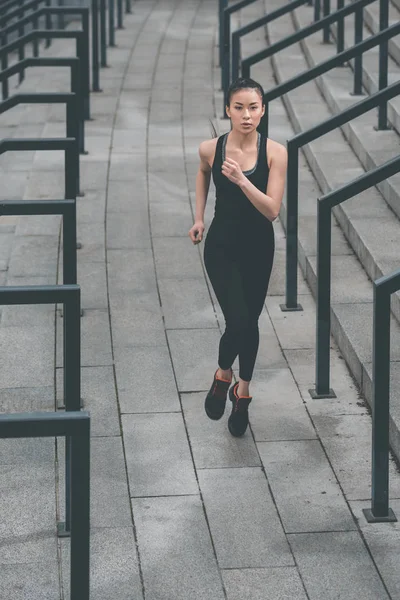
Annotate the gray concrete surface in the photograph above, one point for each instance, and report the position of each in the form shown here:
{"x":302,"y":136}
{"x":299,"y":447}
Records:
{"x":180,"y":509}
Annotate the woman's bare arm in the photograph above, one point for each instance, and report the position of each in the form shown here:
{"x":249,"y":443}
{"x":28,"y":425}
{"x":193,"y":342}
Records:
{"x":269,"y":204}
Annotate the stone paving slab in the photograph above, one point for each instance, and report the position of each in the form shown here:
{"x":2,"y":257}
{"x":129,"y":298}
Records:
{"x":157,"y":455}
{"x":245,"y":526}
{"x":336,"y":564}
{"x":176,"y":563}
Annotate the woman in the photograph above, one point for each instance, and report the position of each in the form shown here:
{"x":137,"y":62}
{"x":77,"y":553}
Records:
{"x":249,"y":173}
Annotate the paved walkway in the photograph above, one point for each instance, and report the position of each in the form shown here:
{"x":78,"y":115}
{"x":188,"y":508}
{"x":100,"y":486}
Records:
{"x":180,"y":509}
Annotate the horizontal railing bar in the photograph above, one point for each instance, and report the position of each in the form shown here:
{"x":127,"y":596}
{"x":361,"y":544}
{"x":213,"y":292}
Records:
{"x":362,"y":183}
{"x":38,"y":62}
{"x":306,"y":76}
{"x":15,"y":13}
{"x":39,"y":33}
{"x":305,"y":32}
{"x":42,"y":424}
{"x":35,"y":207}
{"x":238,"y":6}
{"x":39,"y":98}
{"x":28,"y":144}
{"x":279,"y":12}
{"x":37,"y":294}
{"x":346,"y":115}
{"x":389,"y":283}
{"x":42,"y":12}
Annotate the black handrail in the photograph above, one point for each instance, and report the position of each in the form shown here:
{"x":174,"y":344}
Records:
{"x":82,"y":51}
{"x":73,"y":63}
{"x":72,"y":113}
{"x":323,"y":67}
{"x":301,"y":34}
{"x":238,"y":33}
{"x":225,"y":10}
{"x":384,"y":287}
{"x":66,"y":208}
{"x":82,"y":47}
{"x":68,"y":145}
{"x":75,"y":427}
{"x":325,"y":205}
{"x":292,"y":182}
{"x":69,"y":10}
{"x":70,"y":297}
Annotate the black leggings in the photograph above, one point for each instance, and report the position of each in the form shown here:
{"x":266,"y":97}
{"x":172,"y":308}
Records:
{"x":239,"y":267}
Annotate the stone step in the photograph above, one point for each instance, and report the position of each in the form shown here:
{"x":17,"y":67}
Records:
{"x":371,"y":19}
{"x":363,"y":221}
{"x":372,"y":148}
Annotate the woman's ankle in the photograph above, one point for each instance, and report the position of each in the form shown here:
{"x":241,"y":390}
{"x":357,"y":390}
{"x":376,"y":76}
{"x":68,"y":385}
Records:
{"x":224,"y":374}
{"x":243,"y":388}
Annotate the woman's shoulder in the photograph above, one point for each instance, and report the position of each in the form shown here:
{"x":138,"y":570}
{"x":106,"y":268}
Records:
{"x":207,"y":150}
{"x":275,"y":152}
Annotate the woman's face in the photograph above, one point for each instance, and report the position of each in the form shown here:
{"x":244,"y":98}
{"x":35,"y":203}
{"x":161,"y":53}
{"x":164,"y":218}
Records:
{"x":245,"y":110}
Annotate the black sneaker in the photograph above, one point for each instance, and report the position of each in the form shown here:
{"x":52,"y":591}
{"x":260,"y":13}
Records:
{"x":216,"y":398}
{"x":239,"y":418}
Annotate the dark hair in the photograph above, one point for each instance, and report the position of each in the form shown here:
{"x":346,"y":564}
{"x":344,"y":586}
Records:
{"x":241,"y":83}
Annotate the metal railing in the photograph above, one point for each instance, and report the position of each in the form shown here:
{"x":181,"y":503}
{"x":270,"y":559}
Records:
{"x":74,"y":426}
{"x":324,"y":67}
{"x":72,"y":114}
{"x":384,"y":287}
{"x":225,"y":13}
{"x":325,"y":205}
{"x":66,"y":208}
{"x":33,"y":17}
{"x":238,"y":33}
{"x":68,"y":145}
{"x":70,"y":297}
{"x":292,"y":182}
{"x":73,"y":64}
{"x":82,"y":52}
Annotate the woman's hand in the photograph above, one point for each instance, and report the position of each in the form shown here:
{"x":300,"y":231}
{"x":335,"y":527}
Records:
{"x":196,"y":232}
{"x":232,"y":170}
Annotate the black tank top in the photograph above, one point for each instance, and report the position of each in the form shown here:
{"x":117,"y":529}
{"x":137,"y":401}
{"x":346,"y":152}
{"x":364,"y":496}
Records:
{"x":231,"y":203}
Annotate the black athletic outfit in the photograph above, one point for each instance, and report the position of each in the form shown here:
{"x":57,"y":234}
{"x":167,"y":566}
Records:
{"x":238,"y":255}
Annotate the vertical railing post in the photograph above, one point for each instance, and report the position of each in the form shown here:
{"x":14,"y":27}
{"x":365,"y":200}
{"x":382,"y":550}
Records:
{"x":60,"y":16}
{"x":120,"y":14}
{"x":326,"y":12}
{"x":383,"y":63}
{"x":73,"y":119}
{"x":82,"y":48}
{"x":69,"y":246}
{"x":340,"y":29}
{"x":103,"y":33}
{"x":72,"y":383}
{"x":80,"y":514}
{"x":85,"y":64}
{"x":4,"y":66}
{"x":235,"y":55}
{"x":95,"y":47}
{"x":21,"y":49}
{"x":111,"y":23}
{"x":71,"y":180}
{"x":225,"y":60}
{"x":35,"y":25}
{"x":292,"y":209}
{"x":49,"y":23}
{"x":222,"y":5}
{"x":380,"y":409}
{"x":323,"y":332}
{"x":317,"y":10}
{"x":358,"y":37}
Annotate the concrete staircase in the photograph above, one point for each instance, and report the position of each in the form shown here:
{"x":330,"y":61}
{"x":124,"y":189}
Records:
{"x":366,"y":229}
